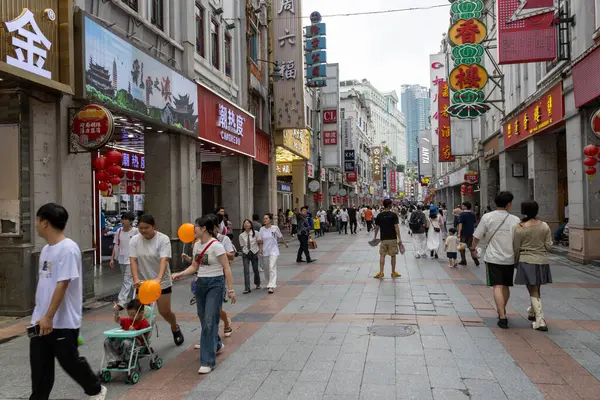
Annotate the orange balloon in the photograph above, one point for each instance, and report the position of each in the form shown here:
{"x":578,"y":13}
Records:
{"x":186,"y":233}
{"x":149,"y":292}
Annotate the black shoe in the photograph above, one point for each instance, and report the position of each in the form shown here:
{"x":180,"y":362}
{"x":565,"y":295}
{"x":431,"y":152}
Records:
{"x":503,"y":323}
{"x":476,"y":261}
{"x":178,"y":337}
{"x":312,"y":260}
{"x":431,"y":254}
{"x":436,"y":255}
{"x":300,"y":261}
{"x":462,"y":263}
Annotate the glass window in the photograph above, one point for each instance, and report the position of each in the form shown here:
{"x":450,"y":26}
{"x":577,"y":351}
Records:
{"x":156,"y":13}
{"x":214,"y":43}
{"x":254,"y":45}
{"x":133,"y":4}
{"x":228,"y":55}
{"x":199,"y":29}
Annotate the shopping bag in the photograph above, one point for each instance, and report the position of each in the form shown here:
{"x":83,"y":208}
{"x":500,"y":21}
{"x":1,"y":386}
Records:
{"x":312,"y":244}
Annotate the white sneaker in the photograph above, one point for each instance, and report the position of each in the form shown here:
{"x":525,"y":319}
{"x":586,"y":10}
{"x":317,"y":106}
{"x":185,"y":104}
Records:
{"x":101,"y":395}
{"x":220,"y":349}
{"x":204,"y":370}
{"x":197,"y":346}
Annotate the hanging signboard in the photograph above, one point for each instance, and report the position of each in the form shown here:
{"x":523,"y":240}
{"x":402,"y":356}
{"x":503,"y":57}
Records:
{"x":377,"y":163}
{"x":444,"y":131}
{"x":92,"y":127}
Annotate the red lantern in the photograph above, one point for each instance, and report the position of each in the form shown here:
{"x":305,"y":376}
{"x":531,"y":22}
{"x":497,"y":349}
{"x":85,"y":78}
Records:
{"x":115,"y":180}
{"x":114,"y":170}
{"x":591,"y":150}
{"x":102,"y":176}
{"x":129,"y":175}
{"x":320,"y":196}
{"x":590,"y":171}
{"x":121,"y":173}
{"x":463,"y":189}
{"x":137,"y":176}
{"x":470,"y":190}
{"x":590,"y":161}
{"x":114,"y":157}
{"x":103,"y":186}
{"x":100,"y":163}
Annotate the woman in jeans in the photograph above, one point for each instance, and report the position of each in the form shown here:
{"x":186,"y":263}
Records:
{"x":212,"y":269}
{"x":532,"y":240}
{"x":249,"y":241}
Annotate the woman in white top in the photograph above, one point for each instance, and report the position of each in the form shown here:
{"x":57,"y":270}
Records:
{"x":269,"y":250}
{"x":435,"y":235}
{"x":212,"y":269}
{"x":121,"y":252}
{"x":249,"y":241}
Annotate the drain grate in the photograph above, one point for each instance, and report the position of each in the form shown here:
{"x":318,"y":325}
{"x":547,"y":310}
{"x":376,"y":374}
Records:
{"x":392,"y":330}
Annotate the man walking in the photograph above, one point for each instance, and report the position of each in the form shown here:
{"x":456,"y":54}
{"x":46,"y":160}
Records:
{"x":391,"y":242}
{"x":353,"y":220}
{"x":323,"y":219}
{"x":369,"y":218}
{"x":497,"y":228}
{"x":57,"y":312}
{"x":121,"y":251}
{"x":466,"y":228}
{"x":418,"y":226}
{"x":304,"y":235}
{"x":344,"y":220}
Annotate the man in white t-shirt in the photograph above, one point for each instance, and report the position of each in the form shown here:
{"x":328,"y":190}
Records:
{"x":58,"y":305}
{"x":497,"y":229}
{"x":344,"y":220}
{"x":322,"y":215}
{"x":121,"y":251}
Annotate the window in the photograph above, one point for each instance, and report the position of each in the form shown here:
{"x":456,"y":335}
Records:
{"x":133,"y":4}
{"x":254,"y":45}
{"x":214,"y":43}
{"x":200,"y":30}
{"x":228,"y":55}
{"x":156,"y":13}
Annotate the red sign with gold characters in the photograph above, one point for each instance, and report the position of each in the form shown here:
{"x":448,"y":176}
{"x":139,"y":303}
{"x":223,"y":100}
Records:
{"x":443,"y":130}
{"x":596,"y":123}
{"x":93,"y":126}
{"x":471,"y":177}
{"x":134,"y":187}
{"x":330,"y":137}
{"x":548,"y":111}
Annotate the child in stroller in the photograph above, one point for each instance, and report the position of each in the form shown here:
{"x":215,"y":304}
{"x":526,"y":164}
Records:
{"x":117,"y":350}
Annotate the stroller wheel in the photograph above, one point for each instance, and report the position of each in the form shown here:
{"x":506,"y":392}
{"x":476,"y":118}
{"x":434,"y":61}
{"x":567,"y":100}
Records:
{"x":133,"y":378}
{"x":105,"y":376}
{"x":156,"y":364}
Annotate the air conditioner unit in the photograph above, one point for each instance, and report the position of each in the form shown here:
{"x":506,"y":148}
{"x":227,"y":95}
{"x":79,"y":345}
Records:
{"x":263,"y":19}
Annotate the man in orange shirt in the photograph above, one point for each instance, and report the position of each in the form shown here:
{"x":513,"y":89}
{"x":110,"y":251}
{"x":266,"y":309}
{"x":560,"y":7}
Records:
{"x":369,"y":218}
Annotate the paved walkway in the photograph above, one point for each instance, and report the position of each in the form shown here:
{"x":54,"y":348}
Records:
{"x":331,"y":331}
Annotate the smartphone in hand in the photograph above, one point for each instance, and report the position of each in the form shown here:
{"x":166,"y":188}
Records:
{"x":33,"y":331}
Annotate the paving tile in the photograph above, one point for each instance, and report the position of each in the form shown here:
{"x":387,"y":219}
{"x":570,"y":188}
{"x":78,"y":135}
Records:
{"x":344,"y":382}
{"x":252,"y":317}
{"x":558,"y":392}
{"x":307,"y":391}
{"x":541,"y":373}
{"x":325,"y":353}
{"x":445,"y":377}
{"x":410,"y":365}
{"x":435,"y":342}
{"x":449,"y":394}
{"x":316,"y":371}
{"x":484,"y":389}
{"x":585,"y":386}
{"x":332,"y":339}
{"x":414,"y":387}
{"x":377,"y":392}
{"x":432,"y":330}
{"x":439,"y":358}
{"x":350,"y":362}
{"x":380,"y":373}
{"x":277,"y":386}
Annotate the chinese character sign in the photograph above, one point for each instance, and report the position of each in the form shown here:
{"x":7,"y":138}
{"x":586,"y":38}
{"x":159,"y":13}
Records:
{"x":377,"y":163}
{"x":438,"y":73}
{"x":92,"y":127}
{"x":393,"y":181}
{"x":288,"y":53}
{"x":444,"y":130}
{"x":315,"y":54}
{"x":330,"y":138}
{"x":231,"y":124}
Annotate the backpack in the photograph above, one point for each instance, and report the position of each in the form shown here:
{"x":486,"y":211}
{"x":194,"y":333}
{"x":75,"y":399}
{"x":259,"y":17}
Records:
{"x":416,"y":222}
{"x":403,"y":211}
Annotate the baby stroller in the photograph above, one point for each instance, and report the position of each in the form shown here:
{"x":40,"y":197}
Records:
{"x":138,"y":350}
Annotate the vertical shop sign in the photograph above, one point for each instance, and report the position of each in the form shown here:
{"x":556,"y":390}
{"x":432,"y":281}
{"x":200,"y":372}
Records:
{"x":526,"y":31}
{"x":444,"y":130}
{"x":437,"y":73}
{"x":288,"y":54}
{"x":393,"y":178}
{"x":425,"y":164}
{"x":377,"y":163}
{"x":385,"y":178}
{"x":469,"y":77}
{"x":310,"y":170}
{"x":315,"y":55}
{"x":349,"y":160}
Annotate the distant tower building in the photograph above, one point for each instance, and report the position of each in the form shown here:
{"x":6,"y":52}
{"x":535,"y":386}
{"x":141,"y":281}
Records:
{"x":114,"y":74}
{"x":415,"y":105}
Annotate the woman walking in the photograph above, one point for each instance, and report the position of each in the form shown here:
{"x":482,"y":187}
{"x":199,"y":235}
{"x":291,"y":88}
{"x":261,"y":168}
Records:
{"x":211,"y":267}
{"x":294,"y":219}
{"x":531,"y":242}
{"x":269,"y":250}
{"x":249,"y":240}
{"x":150,"y":252}
{"x":435,"y":232}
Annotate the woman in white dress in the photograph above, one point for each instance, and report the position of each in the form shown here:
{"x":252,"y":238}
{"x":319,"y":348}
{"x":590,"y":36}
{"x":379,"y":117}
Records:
{"x":435,"y":235}
{"x":269,"y":250}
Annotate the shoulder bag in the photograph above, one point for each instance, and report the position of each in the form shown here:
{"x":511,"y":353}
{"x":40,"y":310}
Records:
{"x":480,"y":251}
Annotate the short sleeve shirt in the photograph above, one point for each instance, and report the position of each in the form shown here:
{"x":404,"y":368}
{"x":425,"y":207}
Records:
{"x":500,"y":249}
{"x":209,"y":264}
{"x":58,"y":263}
{"x":270,"y":237}
{"x":468,"y":220}
{"x":226,"y":242}
{"x":121,"y":241}
{"x":386,"y":221}
{"x":148,"y":254}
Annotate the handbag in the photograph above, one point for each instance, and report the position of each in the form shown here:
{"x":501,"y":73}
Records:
{"x":479,"y":250}
{"x":312,"y":244}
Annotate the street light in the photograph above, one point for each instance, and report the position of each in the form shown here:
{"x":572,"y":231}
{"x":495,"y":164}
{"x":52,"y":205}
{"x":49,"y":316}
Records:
{"x":277,"y":75}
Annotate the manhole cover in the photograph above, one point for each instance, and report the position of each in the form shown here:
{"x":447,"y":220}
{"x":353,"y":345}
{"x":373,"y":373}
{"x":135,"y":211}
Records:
{"x":392,"y":330}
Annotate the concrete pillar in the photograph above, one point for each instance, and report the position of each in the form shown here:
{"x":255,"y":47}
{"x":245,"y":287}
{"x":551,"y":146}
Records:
{"x":543,"y":175}
{"x":299,"y":184}
{"x":237,"y":188}
{"x":518,"y":186}
{"x":261,"y":189}
{"x":273,"y":186}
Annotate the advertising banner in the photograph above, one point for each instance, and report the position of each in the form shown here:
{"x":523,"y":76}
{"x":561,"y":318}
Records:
{"x":526,"y":31}
{"x":393,"y":179}
{"x":377,"y":166}
{"x":437,"y":73}
{"x":425,"y":165}
{"x":385,"y":178}
{"x":445,"y":129}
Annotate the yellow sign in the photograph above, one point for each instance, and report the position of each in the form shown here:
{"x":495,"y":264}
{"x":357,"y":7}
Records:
{"x":472,"y":76}
{"x":284,"y":169}
{"x":371,"y":190}
{"x":462,"y":32}
{"x":297,"y":141}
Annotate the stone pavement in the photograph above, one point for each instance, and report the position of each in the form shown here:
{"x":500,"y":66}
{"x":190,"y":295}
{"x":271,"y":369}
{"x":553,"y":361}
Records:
{"x":331,"y":331}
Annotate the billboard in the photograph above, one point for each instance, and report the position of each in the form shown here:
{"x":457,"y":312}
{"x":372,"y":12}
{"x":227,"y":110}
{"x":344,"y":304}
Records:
{"x":445,"y":128}
{"x":526,"y":31}
{"x":377,"y":163}
{"x":331,"y":153}
{"x":437,"y":74}
{"x":425,"y":165}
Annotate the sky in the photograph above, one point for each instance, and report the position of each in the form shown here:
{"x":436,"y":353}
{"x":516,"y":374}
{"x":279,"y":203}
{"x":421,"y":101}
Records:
{"x":388,"y":49}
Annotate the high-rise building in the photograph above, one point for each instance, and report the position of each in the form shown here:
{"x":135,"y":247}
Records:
{"x":414,"y":103}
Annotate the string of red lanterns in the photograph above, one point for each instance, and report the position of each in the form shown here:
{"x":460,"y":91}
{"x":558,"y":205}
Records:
{"x":591,"y":152}
{"x":109,"y":171}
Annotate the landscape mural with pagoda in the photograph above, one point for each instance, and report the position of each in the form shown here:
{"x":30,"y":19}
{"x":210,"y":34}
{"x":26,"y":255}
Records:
{"x":121,"y":76}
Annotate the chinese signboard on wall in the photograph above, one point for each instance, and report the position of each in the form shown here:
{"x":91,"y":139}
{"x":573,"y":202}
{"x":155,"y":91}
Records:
{"x":393,"y":180}
{"x":329,"y":108}
{"x":36,"y":40}
{"x":284,"y":169}
{"x":315,"y":55}
{"x":526,"y":31}
{"x":444,"y":131}
{"x":122,"y":76}
{"x":377,"y":163}
{"x":288,"y":53}
{"x":469,"y":77}
{"x":349,"y":160}
{"x":546,"y":112}
{"x":297,"y":141}
{"x":437,"y":73}
{"x":425,"y":165}
{"x":223,"y":123}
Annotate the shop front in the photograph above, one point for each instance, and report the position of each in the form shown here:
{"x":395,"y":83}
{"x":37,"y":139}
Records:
{"x":292,"y":152}
{"x":149,"y":158}
{"x":36,"y":82}
{"x":534,"y":156}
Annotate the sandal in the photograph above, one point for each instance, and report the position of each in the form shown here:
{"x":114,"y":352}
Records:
{"x":246,"y":291}
{"x":193,"y":301}
{"x":178,"y":337}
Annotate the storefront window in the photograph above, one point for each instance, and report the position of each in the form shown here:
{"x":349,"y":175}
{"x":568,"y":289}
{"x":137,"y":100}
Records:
{"x":228,"y":55}
{"x":199,"y":29}
{"x":133,"y":4}
{"x":156,"y":13}
{"x":214,"y":43}
{"x":254,"y":46}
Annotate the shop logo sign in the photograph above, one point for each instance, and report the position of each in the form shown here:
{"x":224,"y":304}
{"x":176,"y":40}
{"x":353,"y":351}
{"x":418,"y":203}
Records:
{"x":92,"y":127}
{"x":232,"y":125}
{"x":330,"y":116}
{"x":30,"y":57}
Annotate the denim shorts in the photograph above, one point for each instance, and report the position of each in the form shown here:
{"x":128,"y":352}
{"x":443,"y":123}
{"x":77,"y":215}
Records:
{"x":452,"y":255}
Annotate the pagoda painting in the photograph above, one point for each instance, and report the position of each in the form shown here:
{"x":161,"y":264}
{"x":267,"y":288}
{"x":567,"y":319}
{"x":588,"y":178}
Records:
{"x":125,"y":78}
